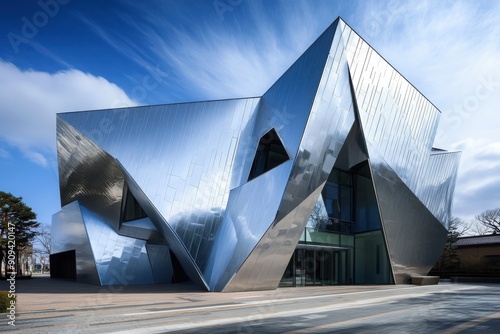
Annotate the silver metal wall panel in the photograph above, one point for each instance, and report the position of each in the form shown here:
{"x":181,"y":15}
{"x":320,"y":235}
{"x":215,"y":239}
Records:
{"x":436,"y":191}
{"x":398,"y":122}
{"x":92,"y":176}
{"x":286,"y":107}
{"x":188,"y":165}
{"x":88,"y":174}
{"x":68,"y":233}
{"x":174,"y":242}
{"x":140,"y":229}
{"x":399,"y":125}
{"x":119,"y":260}
{"x":326,"y":130}
{"x":327,"y":127}
{"x":104,"y":257}
{"x":265,"y":266}
{"x":415,"y":238}
{"x":181,"y":157}
{"x":251,"y":209}
{"x":287,"y":104}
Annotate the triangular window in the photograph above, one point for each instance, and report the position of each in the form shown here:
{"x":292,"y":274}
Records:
{"x":132,"y":209}
{"x":270,"y":153}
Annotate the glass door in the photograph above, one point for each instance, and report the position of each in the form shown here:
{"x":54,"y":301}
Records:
{"x":310,"y":266}
{"x":299,"y":268}
{"x":325,"y":267}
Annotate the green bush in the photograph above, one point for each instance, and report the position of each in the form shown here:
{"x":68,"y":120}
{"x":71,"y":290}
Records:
{"x":4,"y":301}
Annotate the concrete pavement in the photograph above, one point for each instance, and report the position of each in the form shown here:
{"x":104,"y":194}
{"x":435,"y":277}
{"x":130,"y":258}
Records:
{"x":56,"y":306}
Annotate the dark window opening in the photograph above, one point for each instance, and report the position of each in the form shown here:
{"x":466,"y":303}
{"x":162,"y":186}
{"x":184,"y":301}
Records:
{"x":63,"y":265}
{"x":270,"y":153}
{"x":179,"y":273}
{"x":132,"y":209}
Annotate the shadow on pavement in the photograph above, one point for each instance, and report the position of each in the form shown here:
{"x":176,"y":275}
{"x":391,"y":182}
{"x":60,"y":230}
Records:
{"x":45,"y":284}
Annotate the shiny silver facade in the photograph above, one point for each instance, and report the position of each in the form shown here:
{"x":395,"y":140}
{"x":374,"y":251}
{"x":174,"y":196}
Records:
{"x":187,"y":166}
{"x":414,"y":185}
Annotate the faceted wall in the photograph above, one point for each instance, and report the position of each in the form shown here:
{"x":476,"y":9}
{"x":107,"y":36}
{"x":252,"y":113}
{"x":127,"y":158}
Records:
{"x":227,"y":187}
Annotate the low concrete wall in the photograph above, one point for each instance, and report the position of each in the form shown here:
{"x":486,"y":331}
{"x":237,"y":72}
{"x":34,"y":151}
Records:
{"x":424,"y":280}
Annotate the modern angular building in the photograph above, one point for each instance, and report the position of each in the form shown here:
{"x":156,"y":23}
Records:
{"x":330,"y":177}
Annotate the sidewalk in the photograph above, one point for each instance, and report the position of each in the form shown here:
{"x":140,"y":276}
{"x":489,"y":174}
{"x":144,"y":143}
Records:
{"x":58,"y":306}
{"x":45,"y":294}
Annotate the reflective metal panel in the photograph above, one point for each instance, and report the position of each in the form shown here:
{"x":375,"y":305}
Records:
{"x":181,"y":157}
{"x":88,"y":174}
{"x":68,"y":233}
{"x":399,"y":125}
{"x":188,"y":165}
{"x":436,"y":190}
{"x":96,"y":180}
{"x":398,"y":122}
{"x":173,"y":240}
{"x":140,"y":229}
{"x":328,"y":124}
{"x":286,"y":107}
{"x":287,"y":104}
{"x":251,"y":209}
{"x":264,"y":268}
{"x":415,"y":238}
{"x":119,"y":260}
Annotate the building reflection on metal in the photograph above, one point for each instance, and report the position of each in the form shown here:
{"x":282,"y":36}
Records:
{"x":225,"y":188}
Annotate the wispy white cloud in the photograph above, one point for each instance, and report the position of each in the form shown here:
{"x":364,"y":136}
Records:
{"x":36,"y":157}
{"x":213,"y":60}
{"x":121,"y":43}
{"x":49,"y":54}
{"x":30,"y":100}
{"x":450,"y":51}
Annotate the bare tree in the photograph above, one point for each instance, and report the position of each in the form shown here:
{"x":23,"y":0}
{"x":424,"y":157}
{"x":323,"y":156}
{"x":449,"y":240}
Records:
{"x":490,"y":219}
{"x":461,"y":226}
{"x":43,"y":238}
{"x":480,"y":229}
{"x":44,"y":245}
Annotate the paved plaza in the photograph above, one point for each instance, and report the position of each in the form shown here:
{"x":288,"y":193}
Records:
{"x":58,"y":306}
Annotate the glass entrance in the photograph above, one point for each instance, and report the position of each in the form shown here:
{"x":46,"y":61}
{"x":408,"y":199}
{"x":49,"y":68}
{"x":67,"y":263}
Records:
{"x":318,"y":266}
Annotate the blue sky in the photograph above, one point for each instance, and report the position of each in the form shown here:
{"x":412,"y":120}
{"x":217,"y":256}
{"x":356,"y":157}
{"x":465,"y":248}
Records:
{"x":68,"y":55}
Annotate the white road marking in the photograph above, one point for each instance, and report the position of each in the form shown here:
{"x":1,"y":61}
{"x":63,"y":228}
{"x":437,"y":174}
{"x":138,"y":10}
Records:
{"x":315,"y":316}
{"x":248,"y":297}
{"x":301,"y":312}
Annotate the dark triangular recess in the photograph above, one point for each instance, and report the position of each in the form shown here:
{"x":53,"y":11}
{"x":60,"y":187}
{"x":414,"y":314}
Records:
{"x":270,"y":153}
{"x":132,"y":210}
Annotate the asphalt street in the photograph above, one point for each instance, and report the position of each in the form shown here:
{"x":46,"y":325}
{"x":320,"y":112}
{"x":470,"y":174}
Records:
{"x":53,"y":306}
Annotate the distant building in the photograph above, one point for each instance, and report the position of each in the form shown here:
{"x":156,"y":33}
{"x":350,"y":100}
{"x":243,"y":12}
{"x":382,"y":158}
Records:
{"x":479,"y":254}
{"x":330,"y":177}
